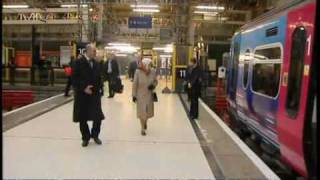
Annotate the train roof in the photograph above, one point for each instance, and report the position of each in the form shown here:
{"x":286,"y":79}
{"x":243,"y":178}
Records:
{"x":276,"y":12}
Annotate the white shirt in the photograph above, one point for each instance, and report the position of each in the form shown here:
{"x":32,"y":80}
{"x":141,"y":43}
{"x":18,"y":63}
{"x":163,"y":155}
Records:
{"x":88,"y":59}
{"x":109,"y":66}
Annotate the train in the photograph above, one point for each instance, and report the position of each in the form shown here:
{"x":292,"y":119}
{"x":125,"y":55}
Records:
{"x":271,"y":85}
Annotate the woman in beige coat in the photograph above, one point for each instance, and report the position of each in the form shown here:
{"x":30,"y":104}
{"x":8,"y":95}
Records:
{"x":144,"y":83}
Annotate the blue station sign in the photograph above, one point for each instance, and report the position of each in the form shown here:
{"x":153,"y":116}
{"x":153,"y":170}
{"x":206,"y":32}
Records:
{"x":140,"y":22}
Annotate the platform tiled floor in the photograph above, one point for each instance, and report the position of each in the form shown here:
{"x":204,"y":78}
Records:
{"x":49,"y":146}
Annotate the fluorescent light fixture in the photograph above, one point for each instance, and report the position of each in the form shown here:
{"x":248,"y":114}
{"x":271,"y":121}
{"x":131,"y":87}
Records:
{"x":119,"y":44}
{"x":206,"y":12}
{"x":121,"y":55}
{"x":146,"y":10}
{"x":145,"y":6}
{"x":165,"y":55}
{"x":159,"y":48}
{"x":15,"y":6}
{"x":168,"y":48}
{"x":123,"y":48}
{"x":73,"y":5}
{"x":211,"y":7}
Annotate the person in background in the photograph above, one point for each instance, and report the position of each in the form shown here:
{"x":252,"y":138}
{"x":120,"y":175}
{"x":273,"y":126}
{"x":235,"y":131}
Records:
{"x":43,"y":71}
{"x":194,"y":84}
{"x":50,"y":72}
{"x":12,"y":71}
{"x":86,"y":81}
{"x":133,"y":67}
{"x":144,"y":83}
{"x":69,"y":76}
{"x":101,"y":63}
{"x":187,"y":78}
{"x":112,"y":72}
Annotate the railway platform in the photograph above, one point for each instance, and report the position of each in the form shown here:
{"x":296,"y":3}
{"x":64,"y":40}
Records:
{"x":48,"y":144}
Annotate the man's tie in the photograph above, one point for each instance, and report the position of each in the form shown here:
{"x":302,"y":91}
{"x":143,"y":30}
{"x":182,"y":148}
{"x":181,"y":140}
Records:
{"x":91,"y":63}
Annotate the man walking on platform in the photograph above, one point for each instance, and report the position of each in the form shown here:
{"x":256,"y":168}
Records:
{"x":86,"y":80}
{"x":112,"y":71}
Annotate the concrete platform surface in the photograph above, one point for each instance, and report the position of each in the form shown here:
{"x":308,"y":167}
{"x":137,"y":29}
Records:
{"x":49,"y":146}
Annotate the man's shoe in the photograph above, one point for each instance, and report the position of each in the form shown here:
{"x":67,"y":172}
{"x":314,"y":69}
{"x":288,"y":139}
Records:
{"x":97,"y":141}
{"x":110,"y":96}
{"x":85,"y":143}
{"x":143,"y":132}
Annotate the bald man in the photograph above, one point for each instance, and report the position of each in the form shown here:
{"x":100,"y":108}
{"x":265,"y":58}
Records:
{"x":88,"y":88}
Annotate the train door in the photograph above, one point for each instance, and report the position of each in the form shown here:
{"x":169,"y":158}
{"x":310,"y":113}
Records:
{"x":233,"y":70}
{"x":295,"y":84}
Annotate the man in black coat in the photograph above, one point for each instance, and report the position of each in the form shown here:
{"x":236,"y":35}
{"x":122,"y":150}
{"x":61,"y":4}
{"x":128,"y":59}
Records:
{"x":194,"y":84}
{"x":187,"y":78}
{"x":112,"y":73}
{"x":87,"y":84}
{"x":132,"y":68}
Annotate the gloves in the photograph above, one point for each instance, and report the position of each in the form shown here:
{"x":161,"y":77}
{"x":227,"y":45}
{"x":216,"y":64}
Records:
{"x":134,"y":99}
{"x":151,"y":87}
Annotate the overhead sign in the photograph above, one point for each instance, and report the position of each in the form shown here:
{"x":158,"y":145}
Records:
{"x":140,"y":22}
{"x":81,"y":47}
{"x":181,"y":73}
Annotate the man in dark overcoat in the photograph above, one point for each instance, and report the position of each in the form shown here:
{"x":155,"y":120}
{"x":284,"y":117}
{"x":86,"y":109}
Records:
{"x":87,"y":86}
{"x":112,"y":73}
{"x":194,"y":84}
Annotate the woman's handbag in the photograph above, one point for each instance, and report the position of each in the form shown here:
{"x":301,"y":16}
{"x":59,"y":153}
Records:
{"x":68,"y":71}
{"x":155,"y":97}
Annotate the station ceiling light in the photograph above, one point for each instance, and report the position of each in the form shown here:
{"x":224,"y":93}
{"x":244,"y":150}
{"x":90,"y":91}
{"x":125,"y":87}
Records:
{"x":119,"y":44}
{"x":72,"y":5}
{"x":168,"y":48}
{"x":121,"y":55}
{"x":165,"y":55}
{"x":146,"y":10}
{"x":15,"y":6}
{"x":122,"y":47}
{"x":205,"y":12}
{"x":145,"y":6}
{"x":210,"y":7}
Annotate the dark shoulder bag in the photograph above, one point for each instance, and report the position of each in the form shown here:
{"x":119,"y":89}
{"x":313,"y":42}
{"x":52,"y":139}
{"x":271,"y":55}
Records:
{"x":155,"y":97}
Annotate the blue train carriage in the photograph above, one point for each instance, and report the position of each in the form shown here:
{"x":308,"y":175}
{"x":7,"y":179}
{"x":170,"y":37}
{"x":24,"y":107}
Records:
{"x":270,"y":59}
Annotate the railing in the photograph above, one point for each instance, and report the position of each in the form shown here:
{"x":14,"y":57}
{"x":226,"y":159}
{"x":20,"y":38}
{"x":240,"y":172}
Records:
{"x":34,"y":75}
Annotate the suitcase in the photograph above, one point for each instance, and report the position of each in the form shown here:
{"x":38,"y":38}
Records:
{"x":117,"y":85}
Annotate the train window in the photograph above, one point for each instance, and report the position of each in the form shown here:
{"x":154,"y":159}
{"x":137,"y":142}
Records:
{"x":266,"y":71}
{"x":268,"y":53}
{"x":246,"y":68}
{"x":296,"y":70}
